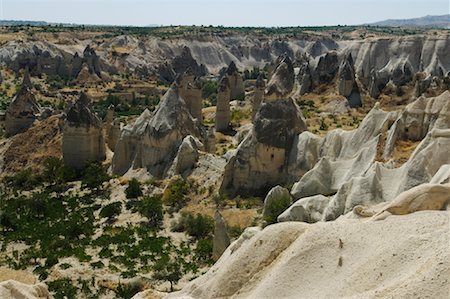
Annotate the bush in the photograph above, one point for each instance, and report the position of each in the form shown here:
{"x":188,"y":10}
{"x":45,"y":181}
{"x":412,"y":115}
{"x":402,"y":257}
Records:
{"x":23,"y":180}
{"x":134,"y":189}
{"x":56,"y":172}
{"x":111,"y":211}
{"x":128,"y":290}
{"x":203,"y":251}
{"x":94,"y":176}
{"x":199,"y":226}
{"x":151,"y":207}
{"x":62,"y":288}
{"x":175,"y":194}
{"x":275,"y":208}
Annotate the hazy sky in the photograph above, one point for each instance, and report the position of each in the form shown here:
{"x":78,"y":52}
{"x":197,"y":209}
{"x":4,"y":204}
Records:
{"x":219,"y":12}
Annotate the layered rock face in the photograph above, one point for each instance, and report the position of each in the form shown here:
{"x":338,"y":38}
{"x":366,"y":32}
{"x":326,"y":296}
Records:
{"x":258,"y":94}
{"x":281,"y":83}
{"x":23,"y":110}
{"x":83,"y":140}
{"x":153,"y":140}
{"x":260,"y":161}
{"x":235,"y":81}
{"x":223,"y":113}
{"x":190,"y":90}
{"x":304,"y":79}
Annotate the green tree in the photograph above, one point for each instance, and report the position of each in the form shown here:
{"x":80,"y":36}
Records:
{"x":134,"y":189}
{"x":151,"y":207}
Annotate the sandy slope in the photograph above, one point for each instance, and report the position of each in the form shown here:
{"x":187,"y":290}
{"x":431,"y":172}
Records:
{"x":400,"y":257}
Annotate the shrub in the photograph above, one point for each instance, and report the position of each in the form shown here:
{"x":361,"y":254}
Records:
{"x":128,"y":290}
{"x":62,"y":288}
{"x":199,"y":226}
{"x":203,"y":251}
{"x":168,"y":270}
{"x":23,"y":180}
{"x":94,"y":176}
{"x":151,"y":207}
{"x":134,"y":189}
{"x":55,"y":171}
{"x":111,"y":211}
{"x":175,"y":194}
{"x":275,"y":208}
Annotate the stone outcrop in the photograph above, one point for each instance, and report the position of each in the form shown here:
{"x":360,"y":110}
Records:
{"x":281,"y":83}
{"x":258,"y":94}
{"x":186,"y":157}
{"x":190,"y":90}
{"x":235,"y":81}
{"x":23,"y":110}
{"x":153,"y":140}
{"x":12,"y":289}
{"x":111,"y":128}
{"x":223,"y":113}
{"x":347,"y":85}
{"x":304,"y":79}
{"x":83,"y":140}
{"x":168,"y":71}
{"x":260,"y":161}
{"x":221,"y":239}
{"x":327,"y":68}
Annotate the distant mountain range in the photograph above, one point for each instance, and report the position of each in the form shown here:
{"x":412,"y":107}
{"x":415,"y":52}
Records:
{"x":426,"y":22}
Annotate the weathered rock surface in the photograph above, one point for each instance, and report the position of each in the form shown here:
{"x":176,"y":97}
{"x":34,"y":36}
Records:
{"x":221,"y":240}
{"x":83,"y":140}
{"x":304,"y":79}
{"x":153,"y":140}
{"x":281,"y":83}
{"x":12,"y":289}
{"x":265,"y":264}
{"x":260,"y":161}
{"x":277,"y":196}
{"x":190,"y":90}
{"x":236,"y":83}
{"x":223,"y":113}
{"x":258,"y":94}
{"x":347,"y":85}
{"x":186,"y":156}
{"x":23,"y":110}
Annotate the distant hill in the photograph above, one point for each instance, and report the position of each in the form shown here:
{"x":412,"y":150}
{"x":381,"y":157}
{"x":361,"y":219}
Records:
{"x":22,"y":23}
{"x":427,"y":21}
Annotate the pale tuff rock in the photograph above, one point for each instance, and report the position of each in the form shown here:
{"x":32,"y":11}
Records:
{"x":221,"y":240}
{"x":153,"y":140}
{"x":190,"y":90}
{"x":169,"y":71}
{"x":347,"y":85}
{"x":281,"y":83}
{"x":92,"y":61}
{"x":210,"y":144}
{"x":235,"y":81}
{"x":23,"y":110}
{"x":419,"y":118}
{"x":12,"y":289}
{"x":258,"y":94}
{"x":86,"y":77}
{"x":413,"y":248}
{"x":83,"y":140}
{"x":420,"y":198}
{"x":223,"y":113}
{"x":186,"y":156}
{"x":260,"y":160}
{"x":347,"y":174}
{"x":111,"y":128}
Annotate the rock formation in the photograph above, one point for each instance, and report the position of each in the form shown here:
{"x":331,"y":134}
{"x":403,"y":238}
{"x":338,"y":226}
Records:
{"x":327,"y":68}
{"x":190,"y":90}
{"x":153,"y":140}
{"x":282,"y":82}
{"x":12,"y":289}
{"x":186,"y":157}
{"x":265,"y":264}
{"x":23,"y":110}
{"x":83,"y":140}
{"x":347,"y":85}
{"x":111,"y":128}
{"x":278,"y":197}
{"x":168,"y":71}
{"x":235,"y":81}
{"x":223,"y":113}
{"x":221,"y":240}
{"x":260,"y":161}
{"x":258,"y":94}
{"x":304,"y":79}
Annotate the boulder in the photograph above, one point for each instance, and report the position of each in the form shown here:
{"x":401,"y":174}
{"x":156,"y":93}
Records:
{"x":221,"y":239}
{"x":308,"y":209}
{"x":12,"y":289}
{"x":83,"y":139}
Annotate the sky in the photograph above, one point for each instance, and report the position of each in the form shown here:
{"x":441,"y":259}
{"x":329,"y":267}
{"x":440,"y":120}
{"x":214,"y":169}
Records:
{"x":270,"y":13}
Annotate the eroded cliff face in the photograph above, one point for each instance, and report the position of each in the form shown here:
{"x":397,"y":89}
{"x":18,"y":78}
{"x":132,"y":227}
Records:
{"x":376,"y":60}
